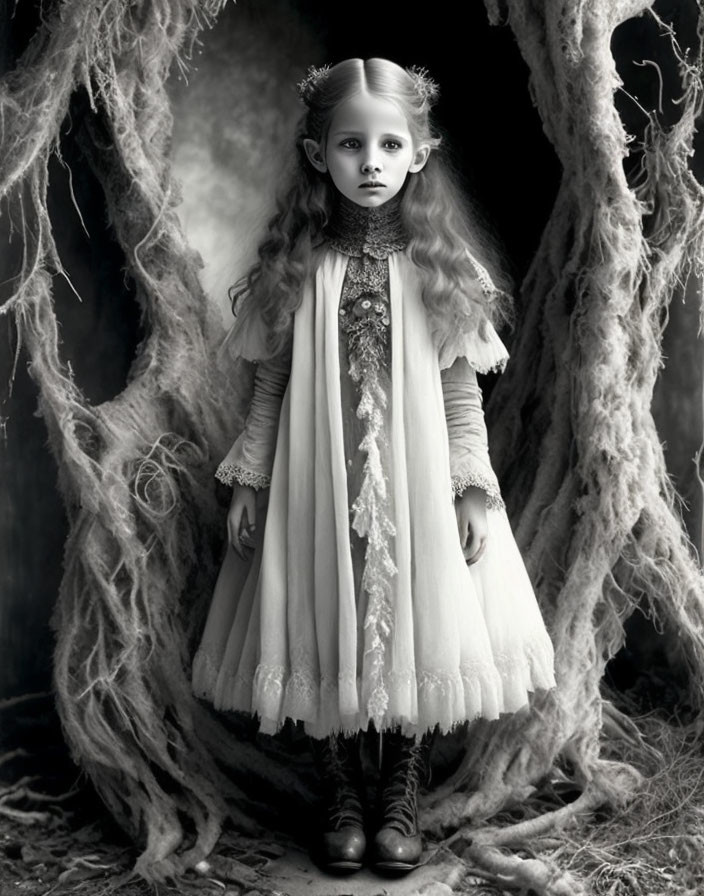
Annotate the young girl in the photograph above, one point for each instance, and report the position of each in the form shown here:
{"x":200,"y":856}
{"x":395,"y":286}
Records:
{"x":362,"y":597}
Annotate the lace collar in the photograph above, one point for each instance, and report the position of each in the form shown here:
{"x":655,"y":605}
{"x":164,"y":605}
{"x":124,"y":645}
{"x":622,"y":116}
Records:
{"x":377,"y":232}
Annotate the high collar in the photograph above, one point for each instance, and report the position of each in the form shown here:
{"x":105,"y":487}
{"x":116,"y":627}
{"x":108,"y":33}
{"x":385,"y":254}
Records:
{"x":355,"y":230}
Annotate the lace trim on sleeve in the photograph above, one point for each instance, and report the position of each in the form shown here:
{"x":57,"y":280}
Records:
{"x":494,"y":501}
{"x":486,"y":354}
{"x":497,"y":366}
{"x":228,"y":474}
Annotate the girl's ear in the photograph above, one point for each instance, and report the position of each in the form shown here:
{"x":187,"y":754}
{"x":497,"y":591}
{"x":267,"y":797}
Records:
{"x":315,"y":155}
{"x":420,"y":158}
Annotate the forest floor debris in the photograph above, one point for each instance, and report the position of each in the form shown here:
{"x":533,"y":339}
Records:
{"x":654,"y":846}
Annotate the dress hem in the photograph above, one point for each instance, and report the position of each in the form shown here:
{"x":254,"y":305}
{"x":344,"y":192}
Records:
{"x":275,"y":695}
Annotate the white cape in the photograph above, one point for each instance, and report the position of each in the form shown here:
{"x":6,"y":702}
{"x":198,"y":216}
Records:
{"x":286,"y":635}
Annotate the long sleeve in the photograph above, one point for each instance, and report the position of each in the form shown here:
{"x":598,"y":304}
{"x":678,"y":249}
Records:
{"x":469,"y":450}
{"x":251,"y":458}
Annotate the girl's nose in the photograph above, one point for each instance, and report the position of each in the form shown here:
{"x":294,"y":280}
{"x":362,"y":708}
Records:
{"x":370,"y":166}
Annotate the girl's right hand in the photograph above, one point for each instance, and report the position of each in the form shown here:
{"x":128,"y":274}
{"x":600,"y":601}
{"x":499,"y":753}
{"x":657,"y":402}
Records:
{"x":241,"y":519}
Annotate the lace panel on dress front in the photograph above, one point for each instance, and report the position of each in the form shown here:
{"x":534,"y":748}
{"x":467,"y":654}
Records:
{"x":369,"y":236}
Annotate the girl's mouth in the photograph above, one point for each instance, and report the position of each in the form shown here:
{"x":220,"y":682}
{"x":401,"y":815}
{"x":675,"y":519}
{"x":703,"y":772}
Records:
{"x":371,"y":184}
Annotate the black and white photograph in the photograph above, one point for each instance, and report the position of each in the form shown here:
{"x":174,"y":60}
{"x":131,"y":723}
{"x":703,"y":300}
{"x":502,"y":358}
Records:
{"x":351,"y":448}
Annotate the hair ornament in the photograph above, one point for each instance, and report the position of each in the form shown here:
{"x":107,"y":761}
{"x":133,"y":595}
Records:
{"x":426,"y":89}
{"x":313,"y":79}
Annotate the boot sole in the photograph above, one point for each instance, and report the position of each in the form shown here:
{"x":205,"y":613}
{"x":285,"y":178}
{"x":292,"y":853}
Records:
{"x":341,"y":868}
{"x":394,"y":869}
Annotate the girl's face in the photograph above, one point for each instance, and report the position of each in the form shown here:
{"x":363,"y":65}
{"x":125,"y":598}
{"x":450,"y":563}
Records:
{"x":369,"y":150}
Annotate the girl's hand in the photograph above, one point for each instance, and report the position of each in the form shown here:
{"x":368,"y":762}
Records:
{"x":470,"y":509}
{"x":241,"y":519}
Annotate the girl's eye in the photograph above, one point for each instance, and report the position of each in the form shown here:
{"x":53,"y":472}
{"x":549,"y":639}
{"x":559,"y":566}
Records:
{"x":392,"y":144}
{"x":350,"y":143}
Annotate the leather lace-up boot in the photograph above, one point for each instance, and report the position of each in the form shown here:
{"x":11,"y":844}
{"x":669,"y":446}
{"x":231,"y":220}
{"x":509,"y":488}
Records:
{"x":341,"y":842}
{"x":398,"y":844}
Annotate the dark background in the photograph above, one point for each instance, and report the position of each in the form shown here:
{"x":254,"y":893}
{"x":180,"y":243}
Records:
{"x":233,"y":122}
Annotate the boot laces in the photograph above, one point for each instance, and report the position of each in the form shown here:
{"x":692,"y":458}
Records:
{"x":400,"y":794}
{"x":343,"y":805}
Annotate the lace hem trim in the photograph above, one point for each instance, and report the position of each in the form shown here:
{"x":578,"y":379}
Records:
{"x":494,"y":501}
{"x":326,"y":704}
{"x":228,"y":474}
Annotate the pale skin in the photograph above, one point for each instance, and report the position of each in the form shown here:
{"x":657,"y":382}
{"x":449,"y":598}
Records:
{"x":368,"y":154}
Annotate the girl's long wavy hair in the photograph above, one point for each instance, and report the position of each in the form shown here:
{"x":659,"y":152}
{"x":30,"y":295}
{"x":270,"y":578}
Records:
{"x":442,"y":227}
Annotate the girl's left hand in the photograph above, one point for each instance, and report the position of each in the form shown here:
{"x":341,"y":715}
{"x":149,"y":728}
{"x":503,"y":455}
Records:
{"x":470,"y":509}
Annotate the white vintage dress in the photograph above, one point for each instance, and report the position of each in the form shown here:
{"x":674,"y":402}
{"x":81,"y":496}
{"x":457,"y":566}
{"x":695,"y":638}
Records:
{"x":358,"y":604}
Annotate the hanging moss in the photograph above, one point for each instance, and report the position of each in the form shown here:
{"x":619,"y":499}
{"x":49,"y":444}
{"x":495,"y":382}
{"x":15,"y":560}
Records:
{"x":133,"y":471}
{"x":593,"y":508}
